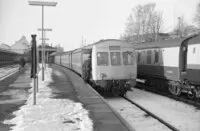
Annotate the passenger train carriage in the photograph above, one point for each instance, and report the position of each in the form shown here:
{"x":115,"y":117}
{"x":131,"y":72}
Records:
{"x":172,"y":64}
{"x":110,"y":64}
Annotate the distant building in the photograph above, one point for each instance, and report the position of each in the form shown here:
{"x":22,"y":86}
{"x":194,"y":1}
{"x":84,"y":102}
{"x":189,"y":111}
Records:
{"x":59,"y":48}
{"x":21,"y":46}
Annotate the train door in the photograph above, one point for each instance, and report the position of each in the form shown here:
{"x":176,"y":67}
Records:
{"x":183,"y":60}
{"x":86,"y":64}
{"x":184,"y":57}
{"x":70,"y":60}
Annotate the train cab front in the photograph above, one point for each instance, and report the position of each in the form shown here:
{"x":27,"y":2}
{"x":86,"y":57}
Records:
{"x":113,"y":73}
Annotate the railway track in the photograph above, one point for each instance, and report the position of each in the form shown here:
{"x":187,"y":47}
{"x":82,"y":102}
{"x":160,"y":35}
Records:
{"x":7,"y":71}
{"x":152,"y":114}
{"x":195,"y":103}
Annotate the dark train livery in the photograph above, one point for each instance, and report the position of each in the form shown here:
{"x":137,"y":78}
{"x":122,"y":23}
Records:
{"x":8,"y":57}
{"x":172,"y":64}
{"x":110,"y":64}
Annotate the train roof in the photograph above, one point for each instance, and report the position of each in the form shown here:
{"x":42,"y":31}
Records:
{"x":101,"y":41}
{"x":88,"y":46}
{"x":96,"y":43}
{"x":160,"y":44}
{"x":195,"y":40}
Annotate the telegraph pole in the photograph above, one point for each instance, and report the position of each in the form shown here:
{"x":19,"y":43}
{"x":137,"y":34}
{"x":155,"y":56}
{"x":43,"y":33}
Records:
{"x":179,"y":27}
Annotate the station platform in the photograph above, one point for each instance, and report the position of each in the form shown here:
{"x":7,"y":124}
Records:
{"x":68,"y":85}
{"x":103,"y":116}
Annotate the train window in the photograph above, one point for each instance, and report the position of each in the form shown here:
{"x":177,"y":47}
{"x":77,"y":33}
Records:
{"x":156,"y":56}
{"x":149,"y":57}
{"x":128,"y":58}
{"x":139,"y":57}
{"x":115,"y":58}
{"x":114,"y":47}
{"x":102,"y":58}
{"x":194,"y":50}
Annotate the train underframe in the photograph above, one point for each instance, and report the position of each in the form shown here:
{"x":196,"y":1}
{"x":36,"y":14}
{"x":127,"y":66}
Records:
{"x":192,"y":90}
{"x":114,"y":87}
{"x":174,"y":87}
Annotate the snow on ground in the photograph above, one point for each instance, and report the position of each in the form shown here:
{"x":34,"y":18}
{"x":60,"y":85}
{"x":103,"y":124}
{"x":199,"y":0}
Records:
{"x":184,"y":117}
{"x":8,"y":71}
{"x":50,"y":114}
{"x":135,"y":116}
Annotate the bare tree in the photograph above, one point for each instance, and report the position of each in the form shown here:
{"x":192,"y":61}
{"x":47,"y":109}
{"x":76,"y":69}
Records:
{"x":143,"y":24}
{"x":197,"y":16}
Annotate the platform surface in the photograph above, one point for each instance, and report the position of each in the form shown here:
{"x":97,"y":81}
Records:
{"x":65,"y":85}
{"x":104,"y":118}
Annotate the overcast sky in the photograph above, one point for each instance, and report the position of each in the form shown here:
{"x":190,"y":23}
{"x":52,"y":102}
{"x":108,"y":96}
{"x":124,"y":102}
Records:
{"x":71,"y":20}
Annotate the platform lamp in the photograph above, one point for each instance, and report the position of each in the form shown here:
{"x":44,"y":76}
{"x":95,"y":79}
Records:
{"x":42,"y":3}
{"x":45,"y":29}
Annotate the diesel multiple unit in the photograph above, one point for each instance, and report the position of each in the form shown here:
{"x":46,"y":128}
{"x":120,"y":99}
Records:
{"x":110,"y":64}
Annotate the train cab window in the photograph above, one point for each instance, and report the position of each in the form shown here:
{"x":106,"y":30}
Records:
{"x":149,"y":57}
{"x":156,"y":56}
{"x":115,"y":58}
{"x":128,"y":58}
{"x":102,"y":58}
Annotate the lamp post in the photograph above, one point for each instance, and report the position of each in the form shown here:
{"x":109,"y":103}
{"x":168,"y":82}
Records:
{"x":42,"y":3}
{"x":43,"y":48}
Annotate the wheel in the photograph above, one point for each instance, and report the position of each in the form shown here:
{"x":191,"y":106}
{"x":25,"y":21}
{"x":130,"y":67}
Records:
{"x":175,"y":89}
{"x":192,"y":94}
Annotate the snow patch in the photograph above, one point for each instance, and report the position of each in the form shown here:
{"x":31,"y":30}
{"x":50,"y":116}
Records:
{"x":183,"y":116}
{"x":50,"y":114}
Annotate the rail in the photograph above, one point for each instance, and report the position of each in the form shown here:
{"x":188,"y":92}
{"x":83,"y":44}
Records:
{"x":7,"y":71}
{"x":153,"y":115}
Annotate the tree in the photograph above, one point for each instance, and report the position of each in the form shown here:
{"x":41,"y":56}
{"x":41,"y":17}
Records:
{"x":180,"y":27}
{"x":183,"y":29}
{"x":197,"y":16}
{"x":143,"y":24}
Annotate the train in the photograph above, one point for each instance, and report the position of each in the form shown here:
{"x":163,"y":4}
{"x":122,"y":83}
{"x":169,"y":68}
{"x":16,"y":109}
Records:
{"x":108,"y":64}
{"x":8,"y":57}
{"x":172,"y":65}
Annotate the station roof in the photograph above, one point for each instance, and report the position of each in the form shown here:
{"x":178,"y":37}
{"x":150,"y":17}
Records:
{"x":47,"y":48}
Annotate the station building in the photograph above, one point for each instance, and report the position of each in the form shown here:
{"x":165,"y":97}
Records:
{"x":48,"y":50}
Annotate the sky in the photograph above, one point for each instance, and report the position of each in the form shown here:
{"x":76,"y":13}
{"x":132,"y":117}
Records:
{"x":74,"y":21}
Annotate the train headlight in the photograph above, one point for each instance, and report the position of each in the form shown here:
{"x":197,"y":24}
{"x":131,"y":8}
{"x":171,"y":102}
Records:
{"x":102,"y":75}
{"x":132,"y":75}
